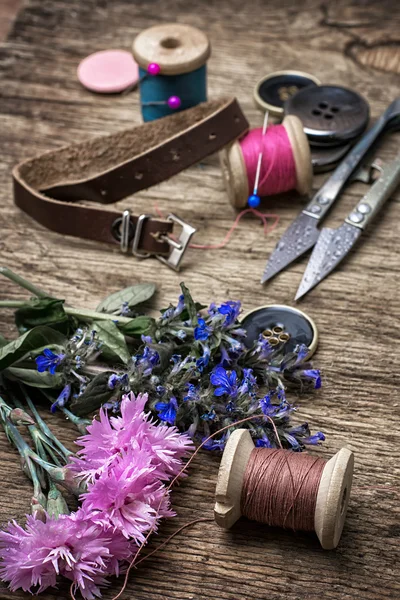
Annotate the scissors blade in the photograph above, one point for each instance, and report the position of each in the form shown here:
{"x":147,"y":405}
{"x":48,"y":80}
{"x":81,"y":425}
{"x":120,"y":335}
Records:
{"x":299,"y":237}
{"x":332,"y":247}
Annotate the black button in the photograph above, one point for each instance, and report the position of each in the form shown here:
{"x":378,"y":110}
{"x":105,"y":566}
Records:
{"x":325,"y":158}
{"x":274,"y":89}
{"x":331,"y":115}
{"x":288,"y":325}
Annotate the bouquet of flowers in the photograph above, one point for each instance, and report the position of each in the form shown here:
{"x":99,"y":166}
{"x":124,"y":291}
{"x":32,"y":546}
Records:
{"x":189,"y":369}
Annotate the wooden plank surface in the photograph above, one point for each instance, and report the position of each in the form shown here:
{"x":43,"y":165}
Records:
{"x":357,"y":309}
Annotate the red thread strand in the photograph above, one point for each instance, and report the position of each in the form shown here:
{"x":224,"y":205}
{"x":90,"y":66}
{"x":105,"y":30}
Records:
{"x":278,"y":167}
{"x":225,"y":241}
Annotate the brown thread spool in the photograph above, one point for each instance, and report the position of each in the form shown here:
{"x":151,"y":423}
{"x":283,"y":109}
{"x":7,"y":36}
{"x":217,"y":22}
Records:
{"x":234,"y":168}
{"x":332,"y":497}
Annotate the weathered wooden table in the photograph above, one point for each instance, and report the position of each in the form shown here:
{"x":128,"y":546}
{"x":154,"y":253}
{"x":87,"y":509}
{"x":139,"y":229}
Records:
{"x":357,"y":309}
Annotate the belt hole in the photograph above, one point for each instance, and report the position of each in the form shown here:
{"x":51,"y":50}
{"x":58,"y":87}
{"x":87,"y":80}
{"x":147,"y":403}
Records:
{"x":139,"y":175}
{"x":212,"y":136}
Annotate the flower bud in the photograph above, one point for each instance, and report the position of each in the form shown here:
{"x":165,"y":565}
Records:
{"x":19,"y":417}
{"x":56,"y":504}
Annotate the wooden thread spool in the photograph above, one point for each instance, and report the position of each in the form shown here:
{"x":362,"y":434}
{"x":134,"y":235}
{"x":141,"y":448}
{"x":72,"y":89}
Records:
{"x":181,"y":52}
{"x":234,"y":168}
{"x":333,"y":492}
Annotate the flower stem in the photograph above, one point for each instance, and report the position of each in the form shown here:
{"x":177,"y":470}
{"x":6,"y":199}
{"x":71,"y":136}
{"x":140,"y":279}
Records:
{"x":22,"y":282}
{"x":81,"y":313}
{"x":45,"y":429}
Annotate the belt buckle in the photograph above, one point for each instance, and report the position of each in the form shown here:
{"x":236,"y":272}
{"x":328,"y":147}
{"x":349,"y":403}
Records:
{"x":178,"y":248}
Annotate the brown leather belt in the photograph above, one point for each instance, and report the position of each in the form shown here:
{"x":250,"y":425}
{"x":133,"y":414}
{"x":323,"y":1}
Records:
{"x":109,"y":168}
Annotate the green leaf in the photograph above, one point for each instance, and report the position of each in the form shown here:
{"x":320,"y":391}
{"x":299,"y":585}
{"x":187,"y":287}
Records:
{"x":3,"y":341}
{"x":42,"y":311}
{"x":138,"y":326}
{"x":33,"y":378}
{"x":133,"y":295}
{"x":38,"y":337}
{"x":96,"y":393}
{"x":190,"y":305}
{"x":114,"y":346}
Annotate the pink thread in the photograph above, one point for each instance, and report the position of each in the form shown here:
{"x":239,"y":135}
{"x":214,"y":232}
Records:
{"x":262,"y":216}
{"x":278,"y":168}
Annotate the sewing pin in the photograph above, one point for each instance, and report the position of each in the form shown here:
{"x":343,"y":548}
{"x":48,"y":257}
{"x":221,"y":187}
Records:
{"x":254,"y":200}
{"x":173,"y":102}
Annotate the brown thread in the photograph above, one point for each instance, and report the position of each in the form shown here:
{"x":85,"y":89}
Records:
{"x":280,"y":488}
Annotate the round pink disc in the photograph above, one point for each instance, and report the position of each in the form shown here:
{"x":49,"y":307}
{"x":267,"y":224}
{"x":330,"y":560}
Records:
{"x":108,"y":71}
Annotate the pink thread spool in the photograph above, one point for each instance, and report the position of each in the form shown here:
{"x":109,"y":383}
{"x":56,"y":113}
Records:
{"x":286,"y":163}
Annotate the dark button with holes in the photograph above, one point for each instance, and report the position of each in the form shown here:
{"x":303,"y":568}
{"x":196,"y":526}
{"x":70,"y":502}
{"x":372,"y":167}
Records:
{"x":281,"y":325}
{"x":272,"y":90}
{"x":331,"y":115}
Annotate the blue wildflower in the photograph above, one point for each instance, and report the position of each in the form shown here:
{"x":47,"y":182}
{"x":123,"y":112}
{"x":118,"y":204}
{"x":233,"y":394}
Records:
{"x":180,"y":306}
{"x":231,"y":310}
{"x":124,"y":380}
{"x":235,"y":347}
{"x":175,"y":358}
{"x":280,"y":392}
{"x":230,"y":407}
{"x":181,"y":334}
{"x":314,"y":374}
{"x":202,"y":362}
{"x":301,"y":430}
{"x":265,"y":404}
{"x":193,"y":392}
{"x":296,"y":446}
{"x":113,"y":381}
{"x":146,"y":339}
{"x":209,"y":416}
{"x":215,"y":444}
{"x":125,"y":310}
{"x":147,"y":361}
{"x":167,"y":410}
{"x":160,"y":389}
{"x":48,"y":360}
{"x":182,"y":364}
{"x":78,"y":335}
{"x":62,"y":399}
{"x":264,"y":442}
{"x":314,"y":439}
{"x":226,"y":382}
{"x":225,"y":358}
{"x":202,"y":331}
{"x":302,"y":352}
{"x":249,"y":383}
{"x":263,"y":348}
{"x":279,"y":411}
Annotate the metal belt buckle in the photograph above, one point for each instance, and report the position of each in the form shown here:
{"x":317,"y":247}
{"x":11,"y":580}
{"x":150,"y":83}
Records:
{"x":178,"y":247}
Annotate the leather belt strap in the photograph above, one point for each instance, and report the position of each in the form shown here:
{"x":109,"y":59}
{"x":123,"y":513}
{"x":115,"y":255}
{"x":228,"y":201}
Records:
{"x":108,"y":168}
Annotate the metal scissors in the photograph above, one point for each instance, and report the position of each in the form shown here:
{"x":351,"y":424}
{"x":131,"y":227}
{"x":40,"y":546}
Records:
{"x":303,"y":233}
{"x":334,"y":244}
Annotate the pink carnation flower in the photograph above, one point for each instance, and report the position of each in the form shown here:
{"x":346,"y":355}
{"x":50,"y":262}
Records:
{"x":129,"y":494}
{"x":108,"y":437}
{"x":73,"y":546}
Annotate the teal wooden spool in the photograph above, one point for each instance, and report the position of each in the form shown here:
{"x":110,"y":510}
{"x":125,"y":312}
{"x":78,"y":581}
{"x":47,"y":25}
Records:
{"x":181,"y":51}
{"x":191,"y":88}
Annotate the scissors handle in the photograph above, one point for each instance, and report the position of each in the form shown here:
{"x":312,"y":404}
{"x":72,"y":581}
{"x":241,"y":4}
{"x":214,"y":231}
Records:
{"x":375,"y":198}
{"x":328,"y":193}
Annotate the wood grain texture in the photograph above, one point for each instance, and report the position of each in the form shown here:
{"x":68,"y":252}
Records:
{"x":357,"y":308}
